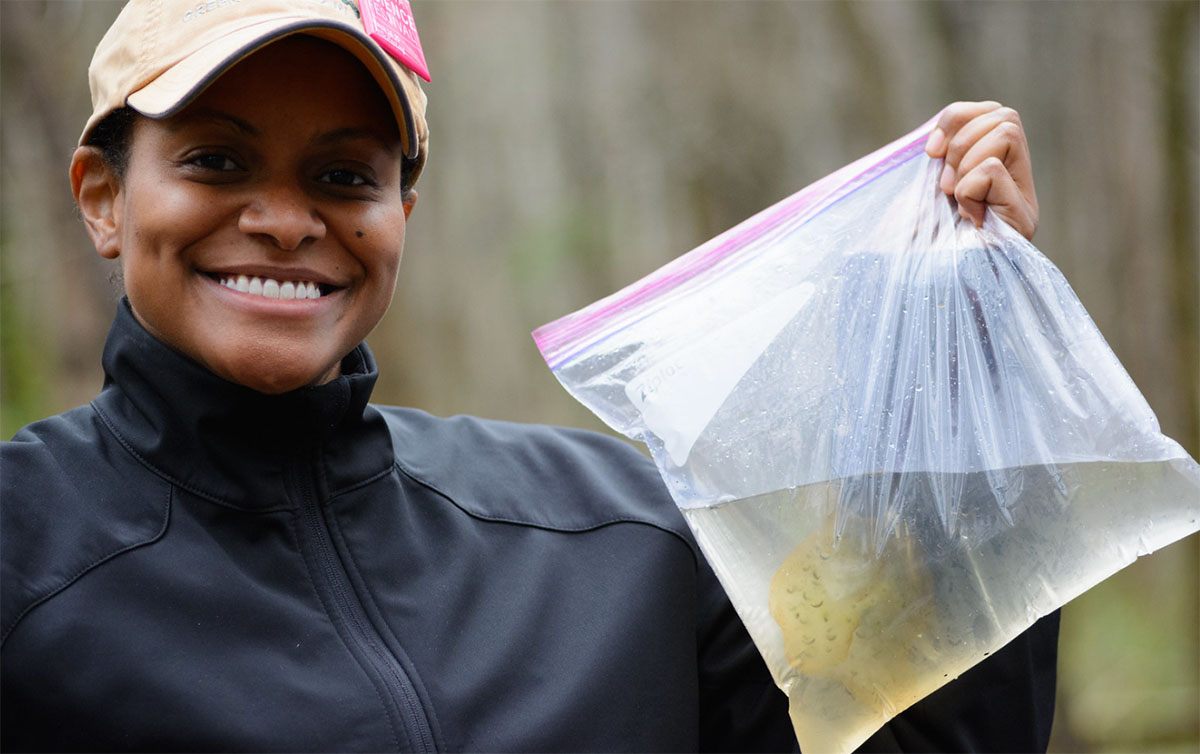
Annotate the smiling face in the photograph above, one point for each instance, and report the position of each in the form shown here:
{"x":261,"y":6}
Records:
{"x":261,"y":228}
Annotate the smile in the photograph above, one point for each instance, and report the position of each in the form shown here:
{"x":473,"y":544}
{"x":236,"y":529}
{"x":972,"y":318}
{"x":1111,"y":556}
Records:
{"x":271,"y":288}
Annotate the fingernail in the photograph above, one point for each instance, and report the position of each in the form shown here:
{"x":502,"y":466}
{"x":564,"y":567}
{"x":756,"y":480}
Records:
{"x":935,"y":141}
{"x":947,"y":179}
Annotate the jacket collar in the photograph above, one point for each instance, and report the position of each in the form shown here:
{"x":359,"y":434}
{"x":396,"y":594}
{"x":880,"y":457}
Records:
{"x":232,"y":444}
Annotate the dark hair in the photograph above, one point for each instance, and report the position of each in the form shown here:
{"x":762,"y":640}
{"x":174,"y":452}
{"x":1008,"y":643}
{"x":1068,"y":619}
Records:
{"x":113,"y":136}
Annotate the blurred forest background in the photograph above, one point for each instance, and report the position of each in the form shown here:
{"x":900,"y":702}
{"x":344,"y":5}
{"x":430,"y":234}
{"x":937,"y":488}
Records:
{"x":576,"y":146}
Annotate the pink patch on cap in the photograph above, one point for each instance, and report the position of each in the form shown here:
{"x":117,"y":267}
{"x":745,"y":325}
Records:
{"x":390,"y":23}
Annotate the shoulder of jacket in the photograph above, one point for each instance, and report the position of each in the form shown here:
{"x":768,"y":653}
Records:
{"x":71,"y":498}
{"x":549,"y":477}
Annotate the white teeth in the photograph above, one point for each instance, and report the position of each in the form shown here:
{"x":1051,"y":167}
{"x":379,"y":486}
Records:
{"x":271,"y":288}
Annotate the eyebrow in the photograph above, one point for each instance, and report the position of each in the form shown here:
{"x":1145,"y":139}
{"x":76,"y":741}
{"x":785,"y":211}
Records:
{"x":215,"y":116}
{"x":355,"y":134}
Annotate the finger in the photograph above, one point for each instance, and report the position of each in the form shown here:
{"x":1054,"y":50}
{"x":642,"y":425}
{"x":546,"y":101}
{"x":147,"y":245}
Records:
{"x":1005,"y":142}
{"x":1004,"y":119}
{"x":990,"y":184}
{"x":972,"y":132}
{"x":950,"y":120}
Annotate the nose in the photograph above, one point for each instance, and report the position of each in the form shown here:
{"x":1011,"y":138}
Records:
{"x":284,"y":214}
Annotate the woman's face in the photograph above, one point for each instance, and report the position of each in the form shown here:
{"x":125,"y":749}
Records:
{"x":282,"y":178}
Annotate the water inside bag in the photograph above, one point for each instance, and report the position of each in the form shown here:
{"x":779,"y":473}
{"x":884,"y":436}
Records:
{"x":854,"y":633}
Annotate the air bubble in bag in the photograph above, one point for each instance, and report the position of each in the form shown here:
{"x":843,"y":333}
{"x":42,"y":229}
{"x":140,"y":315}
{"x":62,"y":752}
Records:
{"x":899,"y":438}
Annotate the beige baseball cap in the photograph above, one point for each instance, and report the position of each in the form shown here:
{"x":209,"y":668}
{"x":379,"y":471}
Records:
{"x":160,"y":54}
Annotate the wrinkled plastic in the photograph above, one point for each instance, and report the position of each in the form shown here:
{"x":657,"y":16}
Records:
{"x":899,"y":438}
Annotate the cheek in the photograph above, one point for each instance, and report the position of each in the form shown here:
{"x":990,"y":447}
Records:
{"x":385,"y":272}
{"x":379,"y":243}
{"x":161,"y":216}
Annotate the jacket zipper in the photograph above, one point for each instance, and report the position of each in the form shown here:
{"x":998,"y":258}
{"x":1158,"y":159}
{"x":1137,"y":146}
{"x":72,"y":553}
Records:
{"x":364,"y":635}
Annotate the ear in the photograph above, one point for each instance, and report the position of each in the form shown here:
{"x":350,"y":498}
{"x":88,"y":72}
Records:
{"x":97,"y":191}
{"x":410,"y":201}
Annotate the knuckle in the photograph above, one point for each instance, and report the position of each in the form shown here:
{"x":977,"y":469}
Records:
{"x":1010,"y":130}
{"x":993,"y":165}
{"x":1008,"y":114}
{"x":954,"y":115}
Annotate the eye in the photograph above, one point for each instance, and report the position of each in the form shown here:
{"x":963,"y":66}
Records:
{"x":343,"y":177}
{"x":214,"y":161}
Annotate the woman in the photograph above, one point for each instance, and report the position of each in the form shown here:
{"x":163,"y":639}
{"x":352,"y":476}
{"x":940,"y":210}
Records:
{"x":231,"y":549}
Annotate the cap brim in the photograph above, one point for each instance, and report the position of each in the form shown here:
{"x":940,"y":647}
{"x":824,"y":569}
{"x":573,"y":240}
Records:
{"x":183,"y":82}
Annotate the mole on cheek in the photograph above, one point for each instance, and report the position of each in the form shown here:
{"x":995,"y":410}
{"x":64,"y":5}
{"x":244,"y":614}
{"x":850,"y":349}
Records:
{"x":358,"y":233}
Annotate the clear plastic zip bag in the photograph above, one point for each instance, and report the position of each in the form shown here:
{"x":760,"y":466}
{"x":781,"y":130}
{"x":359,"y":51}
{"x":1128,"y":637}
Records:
{"x":899,"y":438}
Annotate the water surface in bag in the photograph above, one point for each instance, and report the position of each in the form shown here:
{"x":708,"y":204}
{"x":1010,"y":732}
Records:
{"x":862,"y":604}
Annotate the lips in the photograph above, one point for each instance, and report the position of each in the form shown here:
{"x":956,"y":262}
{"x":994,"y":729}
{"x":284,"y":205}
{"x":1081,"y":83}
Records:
{"x":271,"y":288}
